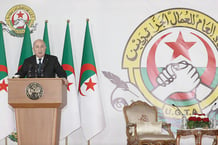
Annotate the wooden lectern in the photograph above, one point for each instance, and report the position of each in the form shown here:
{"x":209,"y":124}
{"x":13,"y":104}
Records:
{"x":37,"y":103}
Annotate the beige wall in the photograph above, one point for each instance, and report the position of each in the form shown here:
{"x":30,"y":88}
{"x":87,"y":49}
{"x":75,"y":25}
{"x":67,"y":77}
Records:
{"x":111,"y":24}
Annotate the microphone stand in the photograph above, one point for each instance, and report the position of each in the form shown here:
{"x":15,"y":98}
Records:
{"x":29,"y":74}
{"x":184,"y":119}
{"x":36,"y":74}
{"x":42,"y":71}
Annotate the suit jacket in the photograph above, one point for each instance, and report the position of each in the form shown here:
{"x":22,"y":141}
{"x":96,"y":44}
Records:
{"x":50,"y":67}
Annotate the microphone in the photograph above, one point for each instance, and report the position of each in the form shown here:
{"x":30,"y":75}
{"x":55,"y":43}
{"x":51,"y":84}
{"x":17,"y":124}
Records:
{"x":178,"y":109}
{"x":29,"y":74}
{"x":43,"y":65}
{"x":39,"y":71}
{"x":35,"y":69}
{"x":42,"y":71}
{"x":211,"y":109}
{"x":45,"y":61}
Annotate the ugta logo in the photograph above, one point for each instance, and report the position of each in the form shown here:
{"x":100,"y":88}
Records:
{"x":171,"y":58}
{"x":17,"y":18}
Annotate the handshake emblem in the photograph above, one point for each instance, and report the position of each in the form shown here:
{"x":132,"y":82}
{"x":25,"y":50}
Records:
{"x":180,"y":77}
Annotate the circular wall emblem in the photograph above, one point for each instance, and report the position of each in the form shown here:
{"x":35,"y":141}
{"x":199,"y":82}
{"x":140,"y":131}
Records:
{"x":34,"y":91}
{"x":172,"y":58}
{"x":17,"y":18}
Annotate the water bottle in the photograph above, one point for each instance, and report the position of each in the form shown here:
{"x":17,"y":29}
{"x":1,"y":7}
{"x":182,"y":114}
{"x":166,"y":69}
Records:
{"x":184,"y":122}
{"x":213,"y":122}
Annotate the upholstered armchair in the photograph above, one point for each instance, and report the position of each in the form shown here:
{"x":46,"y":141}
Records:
{"x":142,"y":127}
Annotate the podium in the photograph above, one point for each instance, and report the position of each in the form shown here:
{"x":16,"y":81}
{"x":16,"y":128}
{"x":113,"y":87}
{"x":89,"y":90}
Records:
{"x":37,"y":103}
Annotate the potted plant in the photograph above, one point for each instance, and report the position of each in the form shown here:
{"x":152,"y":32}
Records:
{"x":198,"y":121}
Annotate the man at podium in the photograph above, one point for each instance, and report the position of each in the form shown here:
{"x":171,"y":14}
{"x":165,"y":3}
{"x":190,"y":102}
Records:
{"x":41,"y":65}
{"x":38,"y":102}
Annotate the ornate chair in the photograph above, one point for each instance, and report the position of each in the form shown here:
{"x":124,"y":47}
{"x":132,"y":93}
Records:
{"x":142,"y":127}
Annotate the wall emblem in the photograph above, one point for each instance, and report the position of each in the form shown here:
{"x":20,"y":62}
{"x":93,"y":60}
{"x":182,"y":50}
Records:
{"x":17,"y":18}
{"x":171,"y":59}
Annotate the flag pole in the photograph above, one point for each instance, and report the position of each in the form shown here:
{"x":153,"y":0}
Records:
{"x":6,"y":141}
{"x":88,"y":140}
{"x":66,"y":140}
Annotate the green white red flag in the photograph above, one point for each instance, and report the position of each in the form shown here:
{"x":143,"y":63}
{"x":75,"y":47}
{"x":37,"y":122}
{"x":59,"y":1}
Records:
{"x":70,"y":116}
{"x":7,"y":123}
{"x":92,"y":117}
{"x":26,"y":50}
{"x":46,"y":38}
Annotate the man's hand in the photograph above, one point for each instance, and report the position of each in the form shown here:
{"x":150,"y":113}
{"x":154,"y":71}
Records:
{"x":65,"y":81}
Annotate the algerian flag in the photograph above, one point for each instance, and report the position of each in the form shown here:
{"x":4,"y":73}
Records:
{"x":46,"y":39}
{"x":70,"y":117}
{"x":7,"y":123}
{"x":92,"y":117}
{"x":26,"y":47}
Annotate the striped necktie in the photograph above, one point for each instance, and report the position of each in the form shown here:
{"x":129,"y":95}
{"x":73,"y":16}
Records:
{"x":39,"y":68}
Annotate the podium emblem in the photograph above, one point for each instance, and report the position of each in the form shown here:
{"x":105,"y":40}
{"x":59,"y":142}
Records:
{"x":34,"y":91}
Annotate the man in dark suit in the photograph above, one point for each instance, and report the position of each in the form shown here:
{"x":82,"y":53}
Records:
{"x":41,"y":65}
